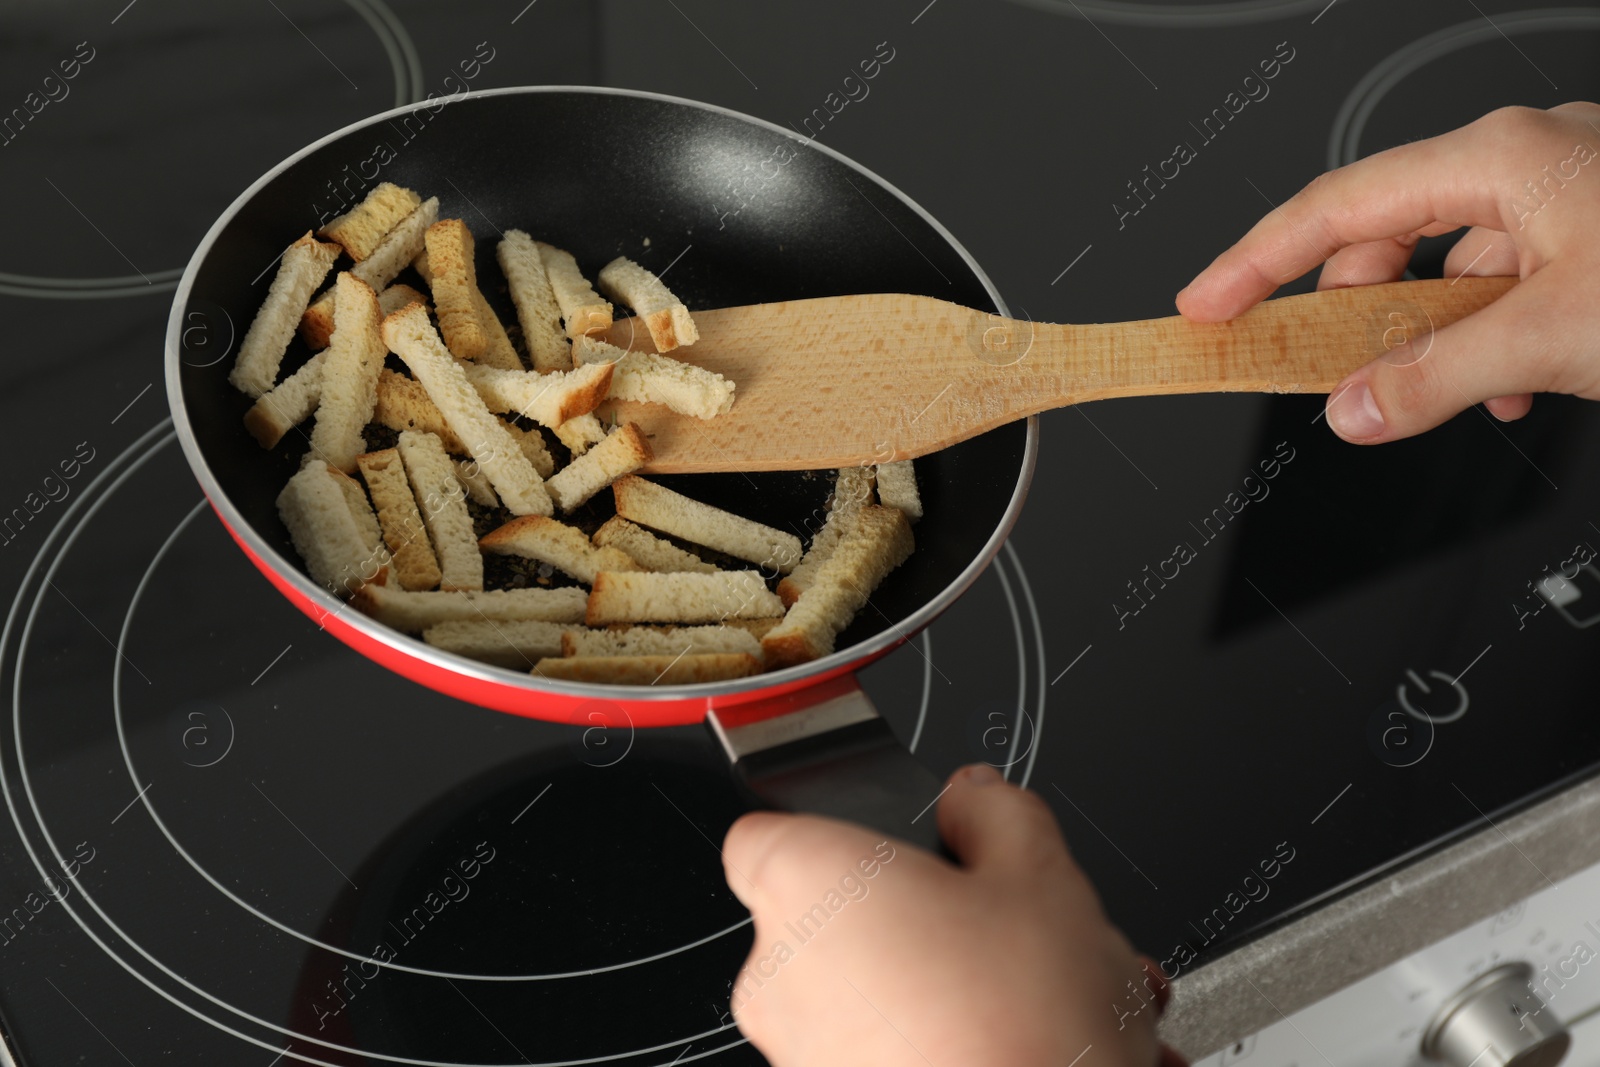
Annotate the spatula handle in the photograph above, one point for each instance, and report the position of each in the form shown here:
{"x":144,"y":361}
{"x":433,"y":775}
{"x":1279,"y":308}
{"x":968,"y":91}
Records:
{"x":1296,"y":344}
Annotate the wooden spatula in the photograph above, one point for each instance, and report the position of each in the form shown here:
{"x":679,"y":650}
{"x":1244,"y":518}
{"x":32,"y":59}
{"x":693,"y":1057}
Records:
{"x":846,"y":380}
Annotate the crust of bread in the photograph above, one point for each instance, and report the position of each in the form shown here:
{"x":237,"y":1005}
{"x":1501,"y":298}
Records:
{"x":874,"y":541}
{"x":361,"y":229}
{"x":498,"y":351}
{"x":757,"y":628}
{"x":897,"y":488}
{"x":623,"y":451}
{"x":563,"y":547}
{"x":647,"y":596}
{"x":286,"y":406}
{"x":454,"y":281}
{"x":316,"y":322}
{"x":350,"y":368}
{"x":548,"y":399}
{"x":649,"y":551}
{"x":514,"y":643}
{"x":653,"y":641}
{"x":415,"y":565}
{"x":532,"y":444}
{"x":340,"y":550}
{"x":537,"y":310}
{"x":403,"y":404}
{"x":444,"y":510}
{"x":852,"y":490}
{"x":659,"y":508}
{"x":653,"y":379}
{"x":413,"y":613}
{"x":398,"y":248}
{"x":518,"y":485}
{"x":649,"y":670}
{"x":664,"y":315}
{"x":582,"y":309}
{"x":305,"y":263}
{"x":579,"y":433}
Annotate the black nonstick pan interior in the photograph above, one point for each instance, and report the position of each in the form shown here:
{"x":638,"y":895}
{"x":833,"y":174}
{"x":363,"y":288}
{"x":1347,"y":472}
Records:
{"x":743,"y":212}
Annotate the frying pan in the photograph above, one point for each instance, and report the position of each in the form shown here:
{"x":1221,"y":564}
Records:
{"x":743,"y":212}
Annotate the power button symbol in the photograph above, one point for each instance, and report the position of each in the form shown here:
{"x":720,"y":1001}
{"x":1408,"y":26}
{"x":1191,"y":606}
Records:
{"x":1451,"y":696}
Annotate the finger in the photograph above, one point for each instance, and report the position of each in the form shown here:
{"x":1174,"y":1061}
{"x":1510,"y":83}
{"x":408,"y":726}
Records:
{"x":1368,"y":263}
{"x":1509,"y":408}
{"x":1483,"y":253}
{"x":1156,"y":982}
{"x":1453,"y":179}
{"x":777,"y":863}
{"x":1498,"y":351}
{"x":989,"y":824}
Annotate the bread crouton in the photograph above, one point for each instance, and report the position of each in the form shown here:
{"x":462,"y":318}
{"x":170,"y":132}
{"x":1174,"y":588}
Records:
{"x":875,"y":540}
{"x":649,"y":551}
{"x":498,"y":350}
{"x":403,"y":404}
{"x":659,"y":508}
{"x":361,"y":229}
{"x":646,"y":596}
{"x":444,"y":510}
{"x":340,"y":549}
{"x":393,"y":254}
{"x":852,"y":490}
{"x":548,"y":399}
{"x":514,"y":643}
{"x":350,"y":368}
{"x":579,"y":432}
{"x":653,"y":379}
{"x":664,"y":315}
{"x":563,"y":547}
{"x":623,"y":451}
{"x":454,"y":281}
{"x":532,"y":444}
{"x":305,"y":263}
{"x":413,"y":613}
{"x":897,"y":488}
{"x":415,"y":565}
{"x":286,"y":406}
{"x":582,"y":310}
{"x":519,"y":486}
{"x":651,"y":641}
{"x":537,"y":310}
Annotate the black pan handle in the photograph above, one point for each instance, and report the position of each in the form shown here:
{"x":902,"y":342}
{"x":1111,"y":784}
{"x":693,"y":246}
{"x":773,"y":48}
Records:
{"x":825,"y":750}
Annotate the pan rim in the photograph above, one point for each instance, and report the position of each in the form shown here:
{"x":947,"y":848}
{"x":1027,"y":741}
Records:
{"x":265,"y":553}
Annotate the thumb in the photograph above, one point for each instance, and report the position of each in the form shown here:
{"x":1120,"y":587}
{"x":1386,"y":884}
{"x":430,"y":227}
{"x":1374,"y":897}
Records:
{"x":990,"y":824}
{"x":1502,"y":350}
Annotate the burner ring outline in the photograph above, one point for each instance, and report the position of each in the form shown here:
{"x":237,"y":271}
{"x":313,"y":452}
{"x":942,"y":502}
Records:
{"x":1177,"y":16}
{"x":406,"y":65}
{"x":94,"y":503}
{"x":144,"y":799}
{"x":1344,"y":140}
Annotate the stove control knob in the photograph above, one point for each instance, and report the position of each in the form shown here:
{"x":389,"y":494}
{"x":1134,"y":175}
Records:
{"x":1497,"y":1020}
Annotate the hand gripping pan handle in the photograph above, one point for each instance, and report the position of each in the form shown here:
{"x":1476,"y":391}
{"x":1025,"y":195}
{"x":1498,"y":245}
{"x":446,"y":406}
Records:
{"x":826,"y":751}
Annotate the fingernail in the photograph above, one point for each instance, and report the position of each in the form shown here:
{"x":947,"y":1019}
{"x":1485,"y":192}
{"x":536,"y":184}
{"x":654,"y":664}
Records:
{"x":979,"y":774}
{"x":1353,"y":413}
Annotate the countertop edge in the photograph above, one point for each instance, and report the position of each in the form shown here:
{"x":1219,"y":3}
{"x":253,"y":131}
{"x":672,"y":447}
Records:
{"x":1360,"y":934}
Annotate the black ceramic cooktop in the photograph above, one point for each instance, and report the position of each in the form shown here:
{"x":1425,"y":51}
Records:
{"x":1219,"y":642}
